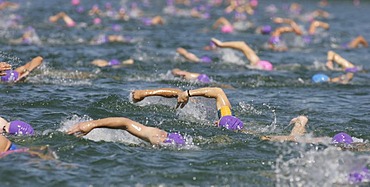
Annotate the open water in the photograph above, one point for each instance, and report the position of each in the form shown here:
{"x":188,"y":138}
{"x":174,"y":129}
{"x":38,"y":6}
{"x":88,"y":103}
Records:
{"x":67,"y":89}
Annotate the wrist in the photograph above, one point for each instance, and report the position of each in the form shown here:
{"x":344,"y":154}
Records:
{"x":188,"y":91}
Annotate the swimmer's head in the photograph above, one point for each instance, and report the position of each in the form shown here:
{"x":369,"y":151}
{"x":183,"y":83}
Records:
{"x":20,"y":128}
{"x":75,"y":2}
{"x":253,"y":3}
{"x":359,"y":176}
{"x":265,"y":65}
{"x":227,"y":29}
{"x":307,"y":39}
{"x":266,"y":29}
{"x":205,"y":59}
{"x":351,"y":70}
{"x":231,"y":123}
{"x":80,"y":9}
{"x":342,"y":138}
{"x":203,"y":78}
{"x":175,"y":138}
{"x":319,"y":78}
{"x":114,"y":62}
{"x":97,"y":21}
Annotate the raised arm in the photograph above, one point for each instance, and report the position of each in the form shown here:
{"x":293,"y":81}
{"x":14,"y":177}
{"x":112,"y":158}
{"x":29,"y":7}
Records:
{"x":189,"y":56}
{"x":315,"y":24}
{"x":241,"y":46}
{"x":150,"y":134}
{"x":210,"y":92}
{"x":138,"y":95}
{"x":342,"y":62}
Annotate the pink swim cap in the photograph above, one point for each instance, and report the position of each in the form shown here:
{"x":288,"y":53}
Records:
{"x":71,"y":24}
{"x":97,"y":21}
{"x":265,"y":65}
{"x":253,"y":3}
{"x":75,"y":2}
{"x":227,"y":29}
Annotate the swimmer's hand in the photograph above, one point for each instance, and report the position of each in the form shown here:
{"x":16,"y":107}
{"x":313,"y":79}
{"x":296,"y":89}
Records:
{"x":3,"y":67}
{"x":81,"y":129}
{"x":265,"y":138}
{"x":137,"y":96}
{"x":182,"y":99}
{"x":218,"y":43}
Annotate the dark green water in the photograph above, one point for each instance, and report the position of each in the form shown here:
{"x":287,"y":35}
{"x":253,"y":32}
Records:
{"x":67,"y":89}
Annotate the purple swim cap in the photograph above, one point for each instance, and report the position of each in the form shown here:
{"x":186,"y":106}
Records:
{"x":307,"y":39}
{"x":175,"y":138}
{"x":231,"y":123}
{"x":265,"y":65}
{"x":205,"y":59}
{"x":359,"y":176}
{"x":114,"y":62}
{"x":274,"y":40}
{"x":20,"y":128}
{"x":351,"y":70}
{"x":203,"y":78}
{"x":266,"y":29}
{"x":342,"y":138}
{"x":10,"y":76}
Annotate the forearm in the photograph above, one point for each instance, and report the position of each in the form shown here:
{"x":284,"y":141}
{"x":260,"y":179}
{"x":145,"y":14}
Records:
{"x":212,"y":92}
{"x":164,"y":92}
{"x":111,"y":122}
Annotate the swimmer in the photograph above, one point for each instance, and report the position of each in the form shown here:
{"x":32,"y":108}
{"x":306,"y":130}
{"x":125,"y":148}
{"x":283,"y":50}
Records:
{"x":15,"y":127}
{"x":226,"y":26}
{"x":192,"y":57}
{"x":112,"y":63}
{"x":153,"y":135}
{"x":21,"y":72}
{"x":255,"y":61}
{"x":102,"y":39}
{"x":343,"y":79}
{"x":226,"y":118}
{"x":156,"y":20}
{"x":356,"y":43}
{"x":203,"y":78}
{"x":7,"y":147}
{"x":344,"y":64}
{"x":29,"y":37}
{"x":275,"y":43}
{"x":62,"y":15}
{"x":341,"y":140}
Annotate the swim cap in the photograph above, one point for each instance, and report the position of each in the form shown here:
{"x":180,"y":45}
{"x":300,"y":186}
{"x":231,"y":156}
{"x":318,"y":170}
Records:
{"x":231,"y":123}
{"x":75,"y":2}
{"x":253,"y":3}
{"x":307,"y":39}
{"x":97,"y":21}
{"x":12,"y":147}
{"x":203,"y":78}
{"x":274,"y":40}
{"x":351,"y":70}
{"x":227,"y":29}
{"x":20,"y":128}
{"x":205,"y":59}
{"x":318,"y":78}
{"x":359,"y":176}
{"x":266,"y":29}
{"x":10,"y":76}
{"x":342,"y":138}
{"x":265,"y":65}
{"x":114,"y":62}
{"x":175,"y":138}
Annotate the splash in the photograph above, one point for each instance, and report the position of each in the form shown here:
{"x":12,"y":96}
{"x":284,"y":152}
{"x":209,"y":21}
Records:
{"x":329,"y":167}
